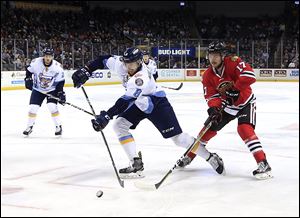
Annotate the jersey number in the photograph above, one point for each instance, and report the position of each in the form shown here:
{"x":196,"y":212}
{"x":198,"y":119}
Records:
{"x":242,"y":64}
{"x":137,"y":93}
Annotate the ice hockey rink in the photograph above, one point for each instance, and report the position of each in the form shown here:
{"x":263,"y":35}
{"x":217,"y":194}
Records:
{"x":47,"y":176}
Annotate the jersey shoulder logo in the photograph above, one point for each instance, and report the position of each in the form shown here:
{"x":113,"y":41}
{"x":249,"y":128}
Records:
{"x":234,"y":58}
{"x":139,"y":82}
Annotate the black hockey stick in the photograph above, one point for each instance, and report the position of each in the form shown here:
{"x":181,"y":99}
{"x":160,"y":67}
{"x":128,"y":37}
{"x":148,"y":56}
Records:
{"x":179,"y":87}
{"x":121,"y":182}
{"x":58,"y":99}
{"x":193,"y":148}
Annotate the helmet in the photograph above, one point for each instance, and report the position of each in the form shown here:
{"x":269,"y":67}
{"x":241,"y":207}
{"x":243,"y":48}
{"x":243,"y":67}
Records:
{"x":48,"y":51}
{"x":131,"y":55}
{"x":216,"y":46}
{"x":145,"y":52}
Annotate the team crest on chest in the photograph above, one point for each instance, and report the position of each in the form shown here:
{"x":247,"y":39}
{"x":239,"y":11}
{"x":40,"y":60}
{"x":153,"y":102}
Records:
{"x":139,"y":82}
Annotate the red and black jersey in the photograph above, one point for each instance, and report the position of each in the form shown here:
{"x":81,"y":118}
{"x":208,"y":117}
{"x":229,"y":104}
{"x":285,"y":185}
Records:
{"x":236,"y":70}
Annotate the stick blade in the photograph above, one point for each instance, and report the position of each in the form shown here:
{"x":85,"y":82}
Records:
{"x":145,"y":186}
{"x":179,"y":87}
{"x":121,"y":183}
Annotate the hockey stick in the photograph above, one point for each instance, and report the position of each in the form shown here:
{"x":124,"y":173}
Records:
{"x":58,"y":99}
{"x":179,"y":87}
{"x":121,"y":182}
{"x":193,"y":148}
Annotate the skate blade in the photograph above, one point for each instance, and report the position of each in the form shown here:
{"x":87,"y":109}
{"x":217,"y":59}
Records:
{"x":136,"y":175}
{"x":263,"y":176}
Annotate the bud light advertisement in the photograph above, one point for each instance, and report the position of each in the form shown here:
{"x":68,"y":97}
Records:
{"x":174,"y":51}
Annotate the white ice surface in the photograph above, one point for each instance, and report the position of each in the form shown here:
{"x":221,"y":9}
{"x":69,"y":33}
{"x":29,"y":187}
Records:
{"x":46,"y":176}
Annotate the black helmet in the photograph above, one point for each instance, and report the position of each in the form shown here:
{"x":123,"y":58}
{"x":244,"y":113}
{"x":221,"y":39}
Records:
{"x":48,"y":51}
{"x":216,"y":46}
{"x":131,"y":55}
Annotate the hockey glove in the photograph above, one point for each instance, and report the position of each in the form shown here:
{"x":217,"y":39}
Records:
{"x":28,"y":83}
{"x":215,"y":114}
{"x":80,"y":76}
{"x":101,"y":121}
{"x":232,"y":96}
{"x":62,"y":96}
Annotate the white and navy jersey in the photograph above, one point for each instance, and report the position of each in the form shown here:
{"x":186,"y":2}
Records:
{"x":140,"y":86}
{"x":45,"y":78}
{"x":151,"y":66}
{"x":116,"y":66}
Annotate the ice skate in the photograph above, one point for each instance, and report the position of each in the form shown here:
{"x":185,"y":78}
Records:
{"x":263,"y":171}
{"x":184,"y":161}
{"x":58,"y":130}
{"x":28,"y":130}
{"x":217,"y":163}
{"x":135,"y":170}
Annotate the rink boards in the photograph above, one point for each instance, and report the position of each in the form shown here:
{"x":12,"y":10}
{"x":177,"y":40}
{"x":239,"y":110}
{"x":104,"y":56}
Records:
{"x":12,"y":80}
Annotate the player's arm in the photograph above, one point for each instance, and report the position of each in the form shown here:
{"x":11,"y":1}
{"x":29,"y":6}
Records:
{"x":213,"y":100}
{"x":155,"y":72}
{"x":134,"y":91}
{"x":104,"y":117}
{"x":59,"y":84}
{"x":245,"y":77}
{"x":80,"y":76}
{"x":28,"y":78}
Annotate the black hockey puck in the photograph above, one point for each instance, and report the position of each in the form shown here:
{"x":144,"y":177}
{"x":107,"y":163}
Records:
{"x":99,"y":194}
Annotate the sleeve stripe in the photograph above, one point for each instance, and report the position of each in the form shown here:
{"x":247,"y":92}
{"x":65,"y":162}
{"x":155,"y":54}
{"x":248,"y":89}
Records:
{"x":248,"y":75}
{"x":247,"y":72}
{"x":212,"y":97}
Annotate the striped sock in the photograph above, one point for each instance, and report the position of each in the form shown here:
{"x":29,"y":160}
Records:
{"x":129,"y":146}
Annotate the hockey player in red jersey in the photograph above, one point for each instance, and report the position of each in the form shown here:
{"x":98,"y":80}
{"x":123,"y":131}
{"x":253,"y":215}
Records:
{"x":227,"y":91}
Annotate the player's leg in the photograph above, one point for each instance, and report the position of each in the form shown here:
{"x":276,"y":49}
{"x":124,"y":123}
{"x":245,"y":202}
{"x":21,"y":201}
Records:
{"x":246,"y":125}
{"x":52,"y":106}
{"x":165,"y":120}
{"x":212,"y":158}
{"x":124,"y":122}
{"x":36,"y":100}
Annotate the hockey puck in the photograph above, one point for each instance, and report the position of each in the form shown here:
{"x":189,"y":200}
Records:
{"x":99,"y":194}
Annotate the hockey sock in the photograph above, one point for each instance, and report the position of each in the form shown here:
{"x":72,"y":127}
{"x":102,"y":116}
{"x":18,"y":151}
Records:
{"x":54,"y":113}
{"x":129,"y":146}
{"x":246,"y":132}
{"x":33,"y":109}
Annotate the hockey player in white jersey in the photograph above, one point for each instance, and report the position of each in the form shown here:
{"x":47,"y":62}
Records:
{"x":142,"y":99}
{"x":150,"y":64}
{"x":45,"y":75}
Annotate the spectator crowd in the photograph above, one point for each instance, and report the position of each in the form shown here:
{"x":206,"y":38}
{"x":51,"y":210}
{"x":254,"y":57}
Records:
{"x":78,"y":37}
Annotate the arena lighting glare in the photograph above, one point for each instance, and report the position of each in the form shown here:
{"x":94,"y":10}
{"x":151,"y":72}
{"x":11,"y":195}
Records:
{"x":296,"y":2}
{"x":181,"y":4}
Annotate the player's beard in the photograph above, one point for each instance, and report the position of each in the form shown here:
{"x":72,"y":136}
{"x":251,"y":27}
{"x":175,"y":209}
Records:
{"x":219,"y":66}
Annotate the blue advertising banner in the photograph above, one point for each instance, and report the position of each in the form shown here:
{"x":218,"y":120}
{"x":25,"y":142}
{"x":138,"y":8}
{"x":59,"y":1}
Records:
{"x":174,"y":51}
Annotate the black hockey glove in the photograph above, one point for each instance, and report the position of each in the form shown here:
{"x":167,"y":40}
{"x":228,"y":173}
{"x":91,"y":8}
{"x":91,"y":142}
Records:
{"x":232,"y":96}
{"x":28,"y":83}
{"x":80,"y":76}
{"x":215,"y":115}
{"x":155,"y":76}
{"x":101,"y":121}
{"x":62,"y":96}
